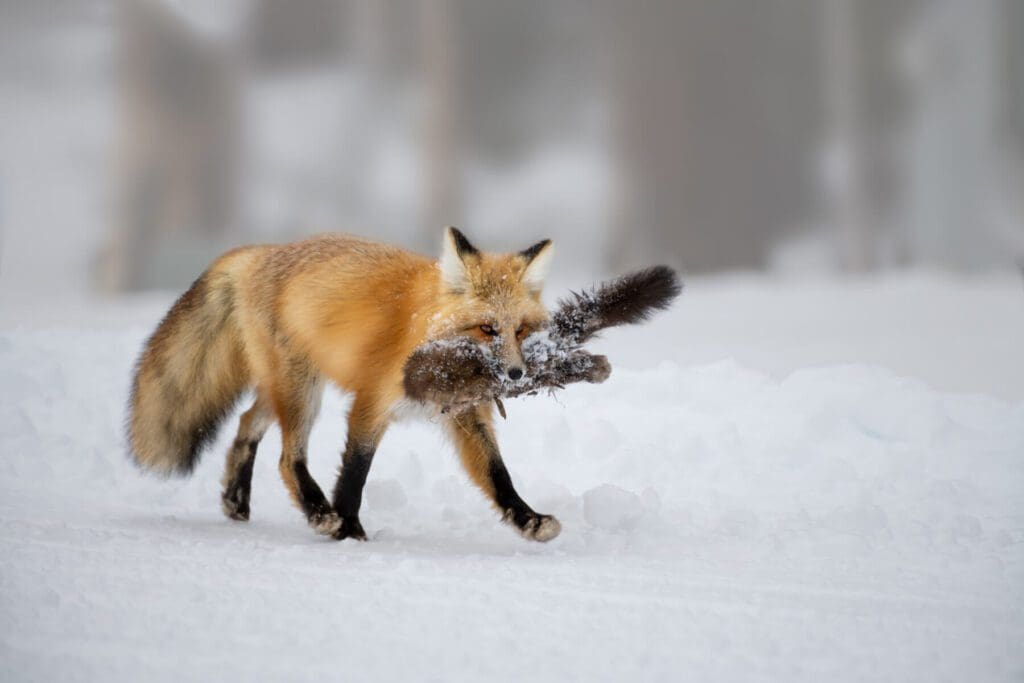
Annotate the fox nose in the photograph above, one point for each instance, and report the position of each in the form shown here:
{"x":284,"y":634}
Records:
{"x":515,"y":373}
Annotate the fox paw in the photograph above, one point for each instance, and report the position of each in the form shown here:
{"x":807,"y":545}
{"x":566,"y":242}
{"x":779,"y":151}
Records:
{"x":350,"y":528}
{"x":235,"y":504}
{"x":326,"y":523}
{"x":540,"y":528}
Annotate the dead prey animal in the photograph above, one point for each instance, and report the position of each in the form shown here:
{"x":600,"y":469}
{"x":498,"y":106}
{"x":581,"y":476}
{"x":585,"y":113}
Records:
{"x":457,"y":373}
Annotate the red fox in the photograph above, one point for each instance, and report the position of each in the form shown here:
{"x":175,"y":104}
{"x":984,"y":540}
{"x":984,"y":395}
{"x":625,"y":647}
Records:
{"x":282,"y":320}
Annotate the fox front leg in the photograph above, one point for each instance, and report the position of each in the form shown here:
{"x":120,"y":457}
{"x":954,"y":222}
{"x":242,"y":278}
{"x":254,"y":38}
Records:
{"x":366,"y":426}
{"x":348,"y":492}
{"x":478,"y":451}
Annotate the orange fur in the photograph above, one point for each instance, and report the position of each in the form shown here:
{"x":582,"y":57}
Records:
{"x":331,"y":308}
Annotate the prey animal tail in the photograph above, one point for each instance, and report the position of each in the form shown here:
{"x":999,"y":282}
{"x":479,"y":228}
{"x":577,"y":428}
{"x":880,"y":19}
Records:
{"x":626,"y":300}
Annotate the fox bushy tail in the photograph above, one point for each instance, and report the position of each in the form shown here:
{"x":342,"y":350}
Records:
{"x":188,"y":378}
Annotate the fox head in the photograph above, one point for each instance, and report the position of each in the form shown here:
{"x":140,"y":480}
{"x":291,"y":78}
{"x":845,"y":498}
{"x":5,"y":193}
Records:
{"x":492,"y":298}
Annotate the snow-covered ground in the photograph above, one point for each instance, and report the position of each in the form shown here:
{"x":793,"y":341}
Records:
{"x":782,"y":480}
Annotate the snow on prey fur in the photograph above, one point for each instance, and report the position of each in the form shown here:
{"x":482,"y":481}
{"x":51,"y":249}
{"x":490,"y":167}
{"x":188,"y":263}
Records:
{"x":458,"y":373}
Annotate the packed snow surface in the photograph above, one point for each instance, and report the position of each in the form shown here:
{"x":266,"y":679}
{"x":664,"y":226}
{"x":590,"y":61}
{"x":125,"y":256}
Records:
{"x":778,"y":482}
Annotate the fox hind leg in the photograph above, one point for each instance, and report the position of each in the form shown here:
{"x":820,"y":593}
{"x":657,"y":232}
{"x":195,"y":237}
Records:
{"x":478,"y":451}
{"x":237,"y":480}
{"x":296,"y":405}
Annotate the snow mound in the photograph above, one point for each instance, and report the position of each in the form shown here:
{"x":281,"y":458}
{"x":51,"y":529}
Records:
{"x":386,"y":495}
{"x":612,"y":508}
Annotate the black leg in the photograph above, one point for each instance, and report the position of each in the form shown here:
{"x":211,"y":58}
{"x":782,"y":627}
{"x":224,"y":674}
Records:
{"x":479,"y":453}
{"x":307,"y":494}
{"x":313,"y":501}
{"x":296,"y":404}
{"x":514,"y":509}
{"x":348,"y":493}
{"x":235,"y":498}
{"x":237,"y":479}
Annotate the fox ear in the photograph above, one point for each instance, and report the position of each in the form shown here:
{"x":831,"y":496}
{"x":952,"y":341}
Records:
{"x":538,"y":261}
{"x":454,"y":251}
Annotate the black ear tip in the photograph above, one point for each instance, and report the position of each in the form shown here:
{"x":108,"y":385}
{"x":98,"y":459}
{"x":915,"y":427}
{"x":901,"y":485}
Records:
{"x":531,"y":253}
{"x":462,"y":244}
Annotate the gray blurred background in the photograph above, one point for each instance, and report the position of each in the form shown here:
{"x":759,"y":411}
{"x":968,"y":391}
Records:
{"x":139,"y":139}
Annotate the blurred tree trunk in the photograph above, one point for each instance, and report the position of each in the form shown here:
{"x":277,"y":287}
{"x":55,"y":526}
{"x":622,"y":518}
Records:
{"x":949,"y":176}
{"x":441,"y":179}
{"x":867,"y":101}
{"x":1011,"y":59}
{"x":295,"y":34}
{"x":178,"y":151}
{"x":847,"y":210}
{"x":712,"y":138}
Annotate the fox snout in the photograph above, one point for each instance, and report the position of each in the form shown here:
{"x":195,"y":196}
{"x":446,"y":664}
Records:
{"x":511,"y":357}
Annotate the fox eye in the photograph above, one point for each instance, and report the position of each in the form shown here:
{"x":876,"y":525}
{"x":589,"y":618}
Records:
{"x":521,"y":330}
{"x":487,"y":329}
